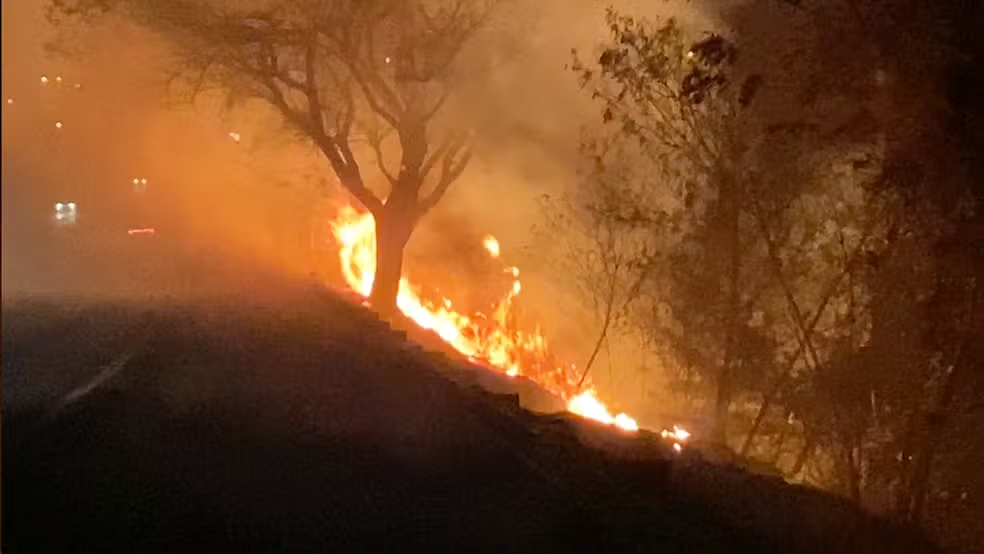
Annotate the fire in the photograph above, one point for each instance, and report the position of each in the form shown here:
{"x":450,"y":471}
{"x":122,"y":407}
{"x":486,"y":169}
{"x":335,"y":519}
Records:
{"x":487,"y":339}
{"x":678,"y":436}
{"x":492,"y":245}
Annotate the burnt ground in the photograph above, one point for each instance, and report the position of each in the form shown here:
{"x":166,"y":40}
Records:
{"x":305,"y":424}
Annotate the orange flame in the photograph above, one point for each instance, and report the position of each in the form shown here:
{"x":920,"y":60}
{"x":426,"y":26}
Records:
{"x":678,"y":436}
{"x":492,"y":245}
{"x":482,"y":339}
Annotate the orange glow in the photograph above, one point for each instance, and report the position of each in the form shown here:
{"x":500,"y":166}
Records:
{"x":482,"y":339}
{"x":145,"y":231}
{"x":492,"y":245}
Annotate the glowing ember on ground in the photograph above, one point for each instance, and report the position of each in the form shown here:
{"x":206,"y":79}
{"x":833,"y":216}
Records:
{"x":678,"y":436}
{"x":488,"y":339}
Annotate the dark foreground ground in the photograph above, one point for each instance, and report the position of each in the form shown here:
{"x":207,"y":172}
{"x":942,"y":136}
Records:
{"x":304,"y":424}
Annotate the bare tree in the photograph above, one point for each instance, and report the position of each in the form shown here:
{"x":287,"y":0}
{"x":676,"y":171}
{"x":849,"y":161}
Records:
{"x":609,"y":233}
{"x":339,"y":72}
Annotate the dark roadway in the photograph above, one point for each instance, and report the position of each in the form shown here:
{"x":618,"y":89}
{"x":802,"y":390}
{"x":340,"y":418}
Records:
{"x":304,"y":424}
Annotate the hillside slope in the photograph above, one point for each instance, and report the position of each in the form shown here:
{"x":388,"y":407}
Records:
{"x":302,"y":423}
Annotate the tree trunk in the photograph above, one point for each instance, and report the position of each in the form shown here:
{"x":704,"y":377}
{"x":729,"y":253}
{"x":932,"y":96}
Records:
{"x":936,"y":421}
{"x":393,"y":229}
{"x":852,"y":463}
{"x":724,"y":392}
{"x":609,"y":314}
{"x":801,"y":460}
{"x":597,"y":348}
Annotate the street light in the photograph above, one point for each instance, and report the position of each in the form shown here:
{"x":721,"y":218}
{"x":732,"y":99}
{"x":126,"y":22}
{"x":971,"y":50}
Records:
{"x":66,"y":212}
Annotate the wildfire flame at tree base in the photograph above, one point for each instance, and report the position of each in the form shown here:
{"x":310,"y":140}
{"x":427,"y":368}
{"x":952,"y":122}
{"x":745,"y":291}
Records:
{"x":481,"y":339}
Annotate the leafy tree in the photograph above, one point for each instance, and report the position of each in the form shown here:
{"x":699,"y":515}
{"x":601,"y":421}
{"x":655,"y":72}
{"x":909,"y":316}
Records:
{"x":892,"y":74}
{"x":349,"y":76}
{"x":686,"y":104}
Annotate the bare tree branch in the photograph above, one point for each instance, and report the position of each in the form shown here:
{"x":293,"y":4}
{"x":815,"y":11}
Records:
{"x":452,"y":167}
{"x":376,"y":139}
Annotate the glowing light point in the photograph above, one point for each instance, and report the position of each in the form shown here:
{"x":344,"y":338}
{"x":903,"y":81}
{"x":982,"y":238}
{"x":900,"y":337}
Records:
{"x":492,"y":245}
{"x":58,"y":125}
{"x":10,"y":100}
{"x":678,"y":435}
{"x":44,"y":79}
{"x":388,"y":59}
{"x":235,"y":136}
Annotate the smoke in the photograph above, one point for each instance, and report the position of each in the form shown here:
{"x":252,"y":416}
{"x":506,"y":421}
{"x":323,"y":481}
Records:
{"x":80,"y":127}
{"x":225,"y":184}
{"x":530,"y":115}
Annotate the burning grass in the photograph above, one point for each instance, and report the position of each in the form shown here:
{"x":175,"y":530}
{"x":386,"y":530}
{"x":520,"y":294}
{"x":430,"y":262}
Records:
{"x":485,"y":338}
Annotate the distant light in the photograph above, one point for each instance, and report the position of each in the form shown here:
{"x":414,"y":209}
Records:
{"x":58,"y":79}
{"x":10,"y":100}
{"x":58,"y":125}
{"x":44,"y":79}
{"x":136,"y":181}
{"x":234,"y":136}
{"x":143,"y":231}
{"x":388,"y":59}
{"x":143,"y":181}
{"x":78,"y":86}
{"x":677,"y":448}
{"x":690,"y":54}
{"x":65,"y":213}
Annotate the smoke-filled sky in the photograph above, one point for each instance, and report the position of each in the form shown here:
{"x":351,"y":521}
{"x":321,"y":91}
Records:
{"x":252,"y":197}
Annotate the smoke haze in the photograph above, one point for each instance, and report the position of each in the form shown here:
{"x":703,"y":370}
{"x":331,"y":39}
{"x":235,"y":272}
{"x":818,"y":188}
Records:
{"x":251,"y":199}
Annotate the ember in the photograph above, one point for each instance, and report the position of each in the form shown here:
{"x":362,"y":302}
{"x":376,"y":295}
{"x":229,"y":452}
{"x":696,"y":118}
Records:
{"x":486,"y":339}
{"x":678,"y":436}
